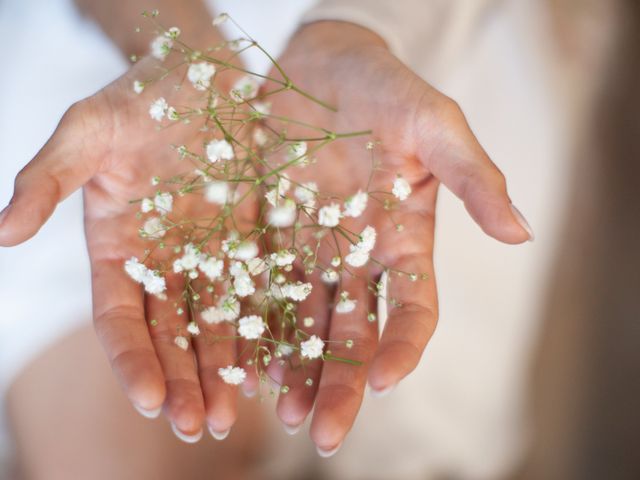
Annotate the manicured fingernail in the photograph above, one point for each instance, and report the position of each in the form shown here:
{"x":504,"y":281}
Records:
{"x":248,"y":393}
{"x":186,"y":438}
{"x":3,"y":214}
{"x":148,"y":413}
{"x":523,"y":222}
{"x":291,"y":429}
{"x":328,"y":453}
{"x":381,"y":393}
{"x":219,"y":435}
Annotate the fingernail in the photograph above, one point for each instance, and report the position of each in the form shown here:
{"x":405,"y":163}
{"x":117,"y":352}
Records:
{"x":148,"y":413}
{"x":291,"y":429}
{"x":381,"y":393}
{"x":219,"y":435}
{"x":328,"y":453}
{"x":523,"y":222}
{"x":248,"y":393}
{"x":186,"y":438}
{"x":4,"y":213}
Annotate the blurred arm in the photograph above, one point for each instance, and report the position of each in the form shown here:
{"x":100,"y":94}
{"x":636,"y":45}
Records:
{"x":119,"y":19}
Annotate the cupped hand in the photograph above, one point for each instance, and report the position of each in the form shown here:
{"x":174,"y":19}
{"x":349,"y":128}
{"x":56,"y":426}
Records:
{"x":419,"y":134}
{"x":108,"y":145}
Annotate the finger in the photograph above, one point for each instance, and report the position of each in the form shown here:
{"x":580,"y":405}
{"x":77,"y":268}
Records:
{"x":184,"y":405}
{"x":412,"y":316}
{"x":342,"y":385}
{"x":118,"y":307}
{"x":60,"y":168}
{"x":216,"y":350}
{"x":458,"y":160}
{"x":294,"y":406}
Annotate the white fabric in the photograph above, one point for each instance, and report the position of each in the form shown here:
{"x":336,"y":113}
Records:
{"x":460,"y":412}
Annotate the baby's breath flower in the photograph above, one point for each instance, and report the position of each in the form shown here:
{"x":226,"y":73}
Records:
{"x":245,"y":89}
{"x":296,"y":291}
{"x":356,"y":205}
{"x":401,"y":189}
{"x":308,"y":322}
{"x":158,"y":109}
{"x":243,"y":285}
{"x":154,"y":284}
{"x":251,"y":327}
{"x":227,"y":310}
{"x":172,"y":114}
{"x":211,"y":267}
{"x":232,"y":375}
{"x":329,"y":216}
{"x":284,"y":350}
{"x":283,"y":258}
{"x":219,"y":150}
{"x":135,"y":269}
{"x":153,"y":228}
{"x":306,"y":194}
{"x":260,"y":137}
{"x":220,"y":19}
{"x":146,"y":205}
{"x":336,"y":261}
{"x":173,"y":32}
{"x":161,"y":47}
{"x":312,"y":348}
{"x":284,"y":215}
{"x":345,"y":305}
{"x":330,"y":276}
{"x":193,"y":329}
{"x":138,"y":87}
{"x":199,"y":74}
{"x":163,"y":203}
{"x":359,"y":252}
{"x":296,"y":151}
{"x":217,"y":193}
{"x":181,"y":342}
{"x":189,"y":261}
{"x":256,"y":266}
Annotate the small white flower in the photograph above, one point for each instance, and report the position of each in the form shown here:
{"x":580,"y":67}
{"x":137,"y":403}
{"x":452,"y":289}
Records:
{"x":246,"y":251}
{"x":232,"y":375}
{"x":306,"y":194}
{"x":356,"y":205}
{"x":153,"y":228}
{"x":217,"y":192}
{"x":312,"y":348}
{"x":146,"y":205}
{"x":359,"y":253}
{"x":158,"y":109}
{"x":138,"y":87}
{"x":181,"y":342}
{"x":154,"y":284}
{"x":296,"y":291}
{"x":163,"y":203}
{"x":135,"y":269}
{"x":199,"y":74}
{"x":236,"y":269}
{"x":251,"y":327}
{"x":345,"y":305}
{"x":296,"y":151}
{"x":256,"y":266}
{"x":189,"y":261}
{"x":161,"y":47}
{"x":401,"y":189}
{"x":329,"y":216}
{"x":173,"y":32}
{"x":219,"y":150}
{"x":227,"y":310}
{"x":330,"y":276}
{"x":308,"y":322}
{"x":284,"y":215}
{"x":284,"y":350}
{"x":244,"y":286}
{"x":211,"y":267}
{"x":260,"y":137}
{"x":220,"y":19}
{"x":172,"y":114}
{"x":193,"y":329}
{"x":283,"y":258}
{"x":245,"y":89}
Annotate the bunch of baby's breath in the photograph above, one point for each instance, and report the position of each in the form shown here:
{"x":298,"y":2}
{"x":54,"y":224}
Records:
{"x":231,"y":271}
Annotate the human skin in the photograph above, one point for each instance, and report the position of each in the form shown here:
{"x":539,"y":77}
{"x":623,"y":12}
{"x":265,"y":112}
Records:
{"x":424,"y":136}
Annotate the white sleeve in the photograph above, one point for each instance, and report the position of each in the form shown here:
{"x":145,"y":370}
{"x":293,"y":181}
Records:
{"x":414,"y":30}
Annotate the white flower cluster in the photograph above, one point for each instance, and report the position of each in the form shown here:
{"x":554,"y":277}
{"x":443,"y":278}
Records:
{"x":154,"y":284}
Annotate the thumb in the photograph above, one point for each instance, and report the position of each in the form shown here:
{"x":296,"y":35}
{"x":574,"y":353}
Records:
{"x":458,"y":160}
{"x":59,"y":168}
